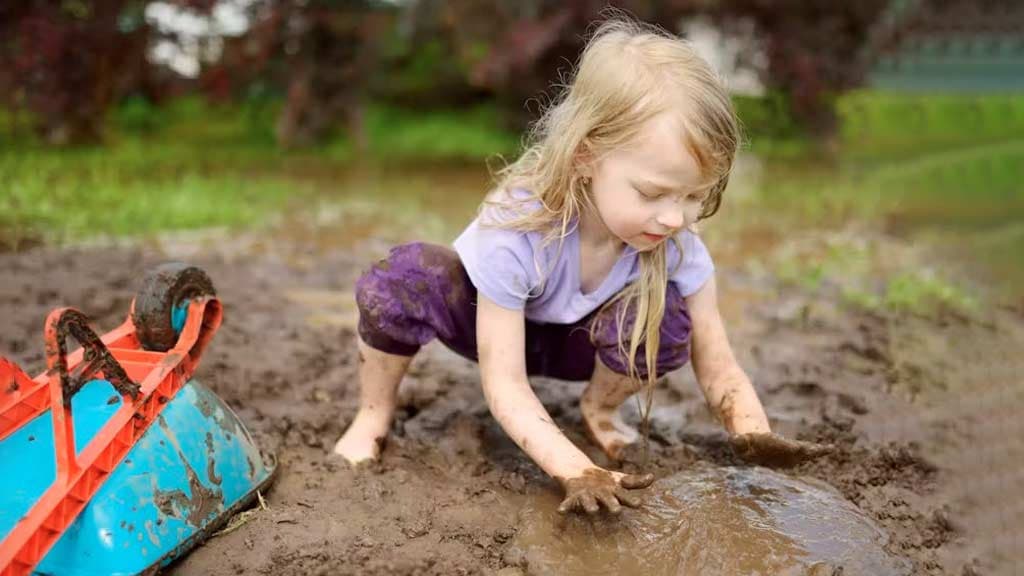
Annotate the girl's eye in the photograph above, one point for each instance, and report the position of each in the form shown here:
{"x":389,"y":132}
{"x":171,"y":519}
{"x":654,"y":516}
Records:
{"x":645,"y":195}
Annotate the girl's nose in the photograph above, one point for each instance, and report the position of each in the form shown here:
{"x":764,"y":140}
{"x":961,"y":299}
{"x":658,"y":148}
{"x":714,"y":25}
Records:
{"x":673,"y":217}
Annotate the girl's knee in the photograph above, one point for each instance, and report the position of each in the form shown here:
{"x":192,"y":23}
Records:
{"x":674,"y":336}
{"x":676,"y":326}
{"x":410,"y":271}
{"x":673,"y":345}
{"x":406,"y":299}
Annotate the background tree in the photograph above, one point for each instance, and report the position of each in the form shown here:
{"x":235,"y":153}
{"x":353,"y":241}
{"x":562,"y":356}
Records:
{"x":516,"y":50}
{"x":815,"y":49}
{"x":318,"y":55}
{"x":66,"y":62}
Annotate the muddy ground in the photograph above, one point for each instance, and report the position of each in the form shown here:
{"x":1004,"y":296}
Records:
{"x":925,"y":412}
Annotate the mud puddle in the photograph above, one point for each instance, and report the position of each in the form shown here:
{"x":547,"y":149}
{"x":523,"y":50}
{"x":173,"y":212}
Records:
{"x":712,"y":520}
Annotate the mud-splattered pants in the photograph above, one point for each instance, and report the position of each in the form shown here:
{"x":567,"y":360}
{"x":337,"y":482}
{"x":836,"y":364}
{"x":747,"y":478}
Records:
{"x":421,"y":292}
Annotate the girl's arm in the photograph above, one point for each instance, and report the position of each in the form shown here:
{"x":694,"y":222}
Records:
{"x":501,"y":347}
{"x":730,"y":394}
{"x":726,"y":387}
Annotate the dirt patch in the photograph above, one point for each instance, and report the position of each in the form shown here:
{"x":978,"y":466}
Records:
{"x":923,"y":412}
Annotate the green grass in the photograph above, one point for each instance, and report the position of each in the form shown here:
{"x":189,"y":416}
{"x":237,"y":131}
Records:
{"x":390,"y":133}
{"x":924,"y":293}
{"x":978,"y":186}
{"x":405,"y":136}
{"x":965,"y":202}
{"x":467,"y":135}
{"x":876,"y":126}
{"x":919,"y":292}
{"x":861,"y":276}
{"x":71,"y":195}
{"x":891,"y":126}
{"x":194,"y":165}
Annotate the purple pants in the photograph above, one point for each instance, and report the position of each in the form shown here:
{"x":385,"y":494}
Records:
{"x":421,"y":292}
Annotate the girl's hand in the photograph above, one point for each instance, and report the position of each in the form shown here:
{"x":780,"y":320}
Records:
{"x":770,"y":449}
{"x":598,"y":486}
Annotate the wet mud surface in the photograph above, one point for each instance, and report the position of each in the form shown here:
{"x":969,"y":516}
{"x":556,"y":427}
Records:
{"x":714,"y":520}
{"x":923,"y":413}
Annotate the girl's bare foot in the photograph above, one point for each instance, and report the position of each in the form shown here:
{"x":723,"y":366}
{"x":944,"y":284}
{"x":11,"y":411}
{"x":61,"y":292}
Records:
{"x":363,"y":440}
{"x":379,"y":376}
{"x":605,"y":428}
{"x":599,"y":406}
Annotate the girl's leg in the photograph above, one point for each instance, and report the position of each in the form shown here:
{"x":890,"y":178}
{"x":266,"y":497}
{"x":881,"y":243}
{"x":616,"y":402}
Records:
{"x":420,"y":292}
{"x":610,"y":384}
{"x":599,"y":407}
{"x":380,"y":374}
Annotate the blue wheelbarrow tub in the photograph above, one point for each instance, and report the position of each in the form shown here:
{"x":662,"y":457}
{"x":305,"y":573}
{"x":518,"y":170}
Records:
{"x":187,"y":475}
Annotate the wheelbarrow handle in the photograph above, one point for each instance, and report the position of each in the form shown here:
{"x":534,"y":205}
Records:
{"x":96,"y":358}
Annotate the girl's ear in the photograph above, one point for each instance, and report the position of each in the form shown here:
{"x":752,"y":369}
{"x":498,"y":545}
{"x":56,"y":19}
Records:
{"x":584,"y":160}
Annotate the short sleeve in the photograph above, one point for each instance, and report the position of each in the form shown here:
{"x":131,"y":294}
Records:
{"x":499,"y":262}
{"x":696,"y":267}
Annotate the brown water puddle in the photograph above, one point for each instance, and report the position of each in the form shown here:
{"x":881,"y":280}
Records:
{"x":431,"y":202}
{"x":712,"y":520}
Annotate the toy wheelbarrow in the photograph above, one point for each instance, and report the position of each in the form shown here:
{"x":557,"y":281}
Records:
{"x":114,"y":460}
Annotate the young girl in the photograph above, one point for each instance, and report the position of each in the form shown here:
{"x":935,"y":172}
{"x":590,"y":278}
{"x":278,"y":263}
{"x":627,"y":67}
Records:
{"x":582,"y":264}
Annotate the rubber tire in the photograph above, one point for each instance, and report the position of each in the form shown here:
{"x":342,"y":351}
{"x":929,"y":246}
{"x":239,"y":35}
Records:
{"x":162,"y":289}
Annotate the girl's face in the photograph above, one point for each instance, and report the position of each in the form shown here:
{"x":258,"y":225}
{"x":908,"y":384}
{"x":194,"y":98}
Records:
{"x":650,"y":190}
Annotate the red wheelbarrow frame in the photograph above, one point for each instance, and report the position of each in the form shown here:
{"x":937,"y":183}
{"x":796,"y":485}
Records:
{"x":145,"y":379}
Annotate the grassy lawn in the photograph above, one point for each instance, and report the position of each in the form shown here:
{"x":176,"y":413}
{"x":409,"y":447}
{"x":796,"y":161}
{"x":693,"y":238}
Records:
{"x":948,"y":168}
{"x":196,"y":166}
{"x":61,"y":196}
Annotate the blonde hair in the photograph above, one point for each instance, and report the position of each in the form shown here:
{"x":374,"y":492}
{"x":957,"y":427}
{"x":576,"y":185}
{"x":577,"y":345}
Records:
{"x":628,"y":73}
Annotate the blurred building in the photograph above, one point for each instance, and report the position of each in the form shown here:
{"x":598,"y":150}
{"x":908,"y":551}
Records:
{"x":952,"y":46}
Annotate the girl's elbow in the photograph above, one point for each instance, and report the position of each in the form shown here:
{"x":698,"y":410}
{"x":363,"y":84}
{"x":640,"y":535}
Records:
{"x":490,"y":389}
{"x":724,"y":373}
{"x":494,"y":386}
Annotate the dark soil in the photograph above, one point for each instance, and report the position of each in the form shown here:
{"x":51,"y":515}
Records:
{"x":924,"y":412}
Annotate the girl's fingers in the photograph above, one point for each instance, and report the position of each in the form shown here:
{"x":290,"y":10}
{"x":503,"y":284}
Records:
{"x":635,"y":481}
{"x":610,"y":502}
{"x":591,"y":491}
{"x":770,"y":449}
{"x":627,"y":499}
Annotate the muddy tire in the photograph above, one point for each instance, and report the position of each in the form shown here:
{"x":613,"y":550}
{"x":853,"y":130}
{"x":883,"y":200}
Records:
{"x":164,"y":288}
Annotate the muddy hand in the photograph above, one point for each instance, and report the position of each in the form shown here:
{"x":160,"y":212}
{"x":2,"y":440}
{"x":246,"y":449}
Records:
{"x":770,"y":449}
{"x":597,"y":487}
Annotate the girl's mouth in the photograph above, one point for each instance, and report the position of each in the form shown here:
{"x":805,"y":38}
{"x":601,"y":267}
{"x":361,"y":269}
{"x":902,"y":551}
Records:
{"x":653,"y":237}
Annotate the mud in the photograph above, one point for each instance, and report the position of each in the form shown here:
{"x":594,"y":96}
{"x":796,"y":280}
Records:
{"x":714,"y":520}
{"x":204,"y":501}
{"x":96,"y":358}
{"x":922,"y":413}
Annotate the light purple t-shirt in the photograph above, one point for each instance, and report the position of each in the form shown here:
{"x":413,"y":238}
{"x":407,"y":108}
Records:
{"x":515,"y":270}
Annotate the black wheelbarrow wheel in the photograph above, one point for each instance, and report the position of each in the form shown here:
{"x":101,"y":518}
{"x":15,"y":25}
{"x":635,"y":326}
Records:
{"x":160,"y":303}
